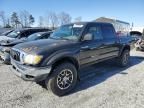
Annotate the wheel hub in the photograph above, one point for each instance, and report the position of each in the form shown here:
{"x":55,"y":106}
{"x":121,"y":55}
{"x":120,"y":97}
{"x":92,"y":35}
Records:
{"x":65,"y":79}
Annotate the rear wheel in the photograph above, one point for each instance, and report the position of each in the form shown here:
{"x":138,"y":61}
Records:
{"x":123,"y":60}
{"x":63,"y":79}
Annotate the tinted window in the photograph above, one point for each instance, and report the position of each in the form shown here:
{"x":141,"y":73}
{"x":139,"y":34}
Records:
{"x":32,"y":31}
{"x":45,"y":36}
{"x":96,"y":32}
{"x":108,"y":32}
{"x":25,"y":34}
{"x":34,"y":36}
{"x":14,"y":34}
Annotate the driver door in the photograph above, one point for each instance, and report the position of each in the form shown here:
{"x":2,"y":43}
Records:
{"x":90,"y":49}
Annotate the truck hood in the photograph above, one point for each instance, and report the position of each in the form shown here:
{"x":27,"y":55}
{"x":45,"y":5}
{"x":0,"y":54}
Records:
{"x":41,"y":46}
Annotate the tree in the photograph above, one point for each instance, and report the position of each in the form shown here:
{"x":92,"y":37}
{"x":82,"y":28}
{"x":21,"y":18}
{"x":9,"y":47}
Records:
{"x":47,"y":20}
{"x":3,"y":18}
{"x":31,"y":20}
{"x":8,"y":23}
{"x":14,"y":19}
{"x":78,"y":19}
{"x":64,"y":18}
{"x":53,"y":18}
{"x":41,"y":20}
{"x":24,"y":18}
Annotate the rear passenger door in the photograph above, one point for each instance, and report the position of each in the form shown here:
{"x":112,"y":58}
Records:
{"x":110,"y":46}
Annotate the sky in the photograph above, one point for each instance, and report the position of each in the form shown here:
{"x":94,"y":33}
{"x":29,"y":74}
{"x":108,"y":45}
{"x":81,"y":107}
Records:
{"x":125,"y":10}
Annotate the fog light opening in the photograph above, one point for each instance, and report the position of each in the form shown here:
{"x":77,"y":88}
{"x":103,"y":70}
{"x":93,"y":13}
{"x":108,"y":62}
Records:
{"x":29,"y":76}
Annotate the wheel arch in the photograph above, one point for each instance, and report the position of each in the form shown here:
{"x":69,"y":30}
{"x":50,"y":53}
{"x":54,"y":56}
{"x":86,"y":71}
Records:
{"x":126,"y":47}
{"x":66,"y":59}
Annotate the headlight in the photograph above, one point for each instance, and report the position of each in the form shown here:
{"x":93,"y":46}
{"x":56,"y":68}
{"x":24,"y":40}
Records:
{"x":32,"y":59}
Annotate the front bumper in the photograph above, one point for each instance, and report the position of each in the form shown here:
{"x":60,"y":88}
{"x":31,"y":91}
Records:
{"x":29,"y":73}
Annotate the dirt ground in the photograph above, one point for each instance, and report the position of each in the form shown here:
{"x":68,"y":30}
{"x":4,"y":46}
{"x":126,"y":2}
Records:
{"x":103,"y":85}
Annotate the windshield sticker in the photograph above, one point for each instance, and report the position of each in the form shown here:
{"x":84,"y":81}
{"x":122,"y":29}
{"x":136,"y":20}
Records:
{"x":77,"y":25}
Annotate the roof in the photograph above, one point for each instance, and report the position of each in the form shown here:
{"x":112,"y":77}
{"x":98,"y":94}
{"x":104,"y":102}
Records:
{"x":84,"y":23}
{"x":104,"y":19}
{"x":24,"y":29}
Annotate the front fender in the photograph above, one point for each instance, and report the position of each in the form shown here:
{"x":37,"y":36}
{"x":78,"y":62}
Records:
{"x":59,"y":55}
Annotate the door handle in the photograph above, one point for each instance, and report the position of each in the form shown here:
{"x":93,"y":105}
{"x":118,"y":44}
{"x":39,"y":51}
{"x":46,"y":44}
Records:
{"x":85,"y":47}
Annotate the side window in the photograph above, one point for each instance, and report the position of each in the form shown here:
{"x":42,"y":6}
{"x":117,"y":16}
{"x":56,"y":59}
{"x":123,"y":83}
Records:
{"x":31,"y":32}
{"x":96,"y":32}
{"x":108,"y":32}
{"x":22,"y":35}
{"x":45,"y":36}
{"x":27,"y":33}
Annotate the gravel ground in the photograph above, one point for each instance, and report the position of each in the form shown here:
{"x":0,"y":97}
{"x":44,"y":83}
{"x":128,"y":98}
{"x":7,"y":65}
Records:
{"x":103,"y":86}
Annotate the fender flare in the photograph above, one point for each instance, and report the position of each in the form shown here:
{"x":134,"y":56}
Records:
{"x":123,"y":48}
{"x":59,"y":56}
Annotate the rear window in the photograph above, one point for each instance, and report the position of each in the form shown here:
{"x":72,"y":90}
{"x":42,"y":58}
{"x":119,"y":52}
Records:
{"x":108,"y":32}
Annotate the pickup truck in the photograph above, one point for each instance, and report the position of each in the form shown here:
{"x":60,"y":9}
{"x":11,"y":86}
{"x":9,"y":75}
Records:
{"x":57,"y":60}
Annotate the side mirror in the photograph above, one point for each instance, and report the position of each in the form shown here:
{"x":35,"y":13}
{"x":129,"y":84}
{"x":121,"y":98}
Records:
{"x":88,"y":37}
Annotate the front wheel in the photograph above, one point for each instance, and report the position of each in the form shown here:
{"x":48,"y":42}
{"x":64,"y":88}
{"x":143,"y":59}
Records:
{"x":63,"y":79}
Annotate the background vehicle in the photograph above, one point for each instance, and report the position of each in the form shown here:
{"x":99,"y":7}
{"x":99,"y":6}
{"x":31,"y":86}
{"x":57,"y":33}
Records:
{"x":139,"y":45}
{"x":6,"y":47}
{"x":21,"y":33}
{"x":6,"y":33}
{"x":57,"y":60}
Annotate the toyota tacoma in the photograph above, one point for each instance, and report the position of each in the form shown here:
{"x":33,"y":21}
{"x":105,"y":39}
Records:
{"x":57,"y":60}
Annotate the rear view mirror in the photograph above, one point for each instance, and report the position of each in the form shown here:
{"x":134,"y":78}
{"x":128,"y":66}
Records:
{"x":88,"y":37}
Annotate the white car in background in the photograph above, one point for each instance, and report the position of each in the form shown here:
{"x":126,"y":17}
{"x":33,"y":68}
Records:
{"x":20,"y":33}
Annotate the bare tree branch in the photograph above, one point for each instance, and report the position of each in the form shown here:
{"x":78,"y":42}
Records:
{"x":64,"y":18}
{"x":3,"y":18}
{"x":53,"y":18}
{"x":78,"y":19}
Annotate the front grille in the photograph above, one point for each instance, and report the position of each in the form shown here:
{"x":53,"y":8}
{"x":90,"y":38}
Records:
{"x":15,"y":55}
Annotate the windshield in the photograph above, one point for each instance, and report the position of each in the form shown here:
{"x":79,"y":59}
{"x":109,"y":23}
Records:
{"x":13,"y":34}
{"x":34,"y":36}
{"x":68,"y":32}
{"x":7,"y":32}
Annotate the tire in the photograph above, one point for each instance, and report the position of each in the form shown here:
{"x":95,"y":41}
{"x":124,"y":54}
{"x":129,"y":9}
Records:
{"x":63,"y":79}
{"x":123,"y":60}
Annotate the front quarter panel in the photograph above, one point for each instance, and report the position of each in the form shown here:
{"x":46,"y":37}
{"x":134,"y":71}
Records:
{"x":58,"y":55}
